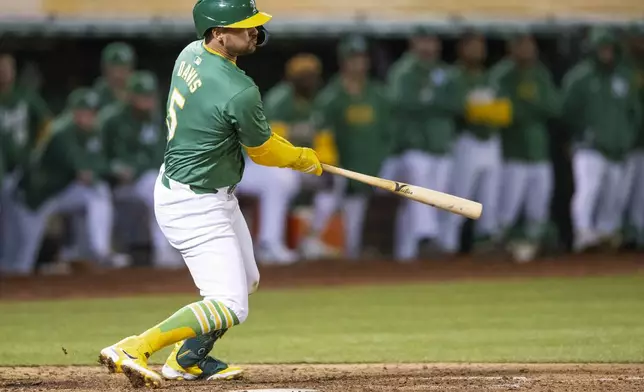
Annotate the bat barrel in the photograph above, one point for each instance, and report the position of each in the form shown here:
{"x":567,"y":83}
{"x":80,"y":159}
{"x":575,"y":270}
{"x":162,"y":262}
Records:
{"x":444,"y":201}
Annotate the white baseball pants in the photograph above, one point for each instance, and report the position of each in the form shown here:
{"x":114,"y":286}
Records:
{"x":275,"y":188}
{"x":391,"y":170}
{"x":597,"y":205}
{"x":635,"y":198}
{"x":210,"y":232}
{"x":143,"y":190}
{"x":526,"y":189}
{"x":414,"y":220}
{"x":476,"y":175}
{"x":8,"y":234}
{"x":96,"y":204}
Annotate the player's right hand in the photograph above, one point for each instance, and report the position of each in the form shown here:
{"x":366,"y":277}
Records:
{"x":308,"y":162}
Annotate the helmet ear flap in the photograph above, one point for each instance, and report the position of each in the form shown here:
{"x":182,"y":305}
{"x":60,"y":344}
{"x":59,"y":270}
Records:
{"x":262,"y":35}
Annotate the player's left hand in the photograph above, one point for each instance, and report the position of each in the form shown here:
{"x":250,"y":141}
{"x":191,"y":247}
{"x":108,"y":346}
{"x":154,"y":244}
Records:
{"x":308,"y":162}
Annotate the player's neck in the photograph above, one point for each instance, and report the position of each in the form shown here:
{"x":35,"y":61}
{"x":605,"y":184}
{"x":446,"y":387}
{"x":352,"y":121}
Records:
{"x":119,"y":92}
{"x":140,"y":115}
{"x":425,"y":59}
{"x":523,"y":64}
{"x":473,"y":66}
{"x":303,"y":96}
{"x":216,"y":49}
{"x":353,"y":84}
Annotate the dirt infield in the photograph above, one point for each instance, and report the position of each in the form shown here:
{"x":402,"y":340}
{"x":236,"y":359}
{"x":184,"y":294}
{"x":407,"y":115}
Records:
{"x":149,"y":281}
{"x":376,"y":377}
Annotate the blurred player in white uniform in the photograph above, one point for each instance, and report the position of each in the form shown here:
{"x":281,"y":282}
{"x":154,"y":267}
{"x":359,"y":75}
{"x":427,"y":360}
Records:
{"x":425,"y":107}
{"x":527,"y":171}
{"x":602,"y":107}
{"x":477,"y":152}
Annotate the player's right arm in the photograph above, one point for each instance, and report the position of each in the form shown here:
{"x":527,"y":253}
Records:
{"x":108,"y":127}
{"x":41,"y":119}
{"x":263,"y":146}
{"x":63,"y":151}
{"x":403,"y":89}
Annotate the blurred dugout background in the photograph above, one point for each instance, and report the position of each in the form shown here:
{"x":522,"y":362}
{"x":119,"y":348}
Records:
{"x":58,"y":46}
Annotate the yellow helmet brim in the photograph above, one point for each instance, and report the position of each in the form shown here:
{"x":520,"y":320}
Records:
{"x":256,"y":20}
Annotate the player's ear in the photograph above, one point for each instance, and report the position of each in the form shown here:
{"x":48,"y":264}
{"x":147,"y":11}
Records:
{"x":217,"y":34}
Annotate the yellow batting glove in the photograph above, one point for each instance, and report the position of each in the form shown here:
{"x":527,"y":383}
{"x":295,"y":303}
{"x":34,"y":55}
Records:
{"x":281,"y":139}
{"x":500,"y":113}
{"x":475,"y":113}
{"x":495,"y":113}
{"x":308,"y":162}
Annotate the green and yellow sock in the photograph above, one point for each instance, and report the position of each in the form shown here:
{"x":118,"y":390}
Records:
{"x":192,"y":320}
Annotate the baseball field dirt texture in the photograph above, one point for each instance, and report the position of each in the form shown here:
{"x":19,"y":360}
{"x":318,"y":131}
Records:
{"x":573,"y":323}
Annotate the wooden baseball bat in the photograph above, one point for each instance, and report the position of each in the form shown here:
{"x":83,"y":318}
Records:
{"x":444,"y":201}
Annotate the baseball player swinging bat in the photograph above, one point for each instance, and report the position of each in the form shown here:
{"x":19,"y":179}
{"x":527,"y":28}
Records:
{"x":444,"y":201}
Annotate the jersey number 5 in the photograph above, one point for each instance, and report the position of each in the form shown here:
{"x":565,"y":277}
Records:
{"x":176,"y":99}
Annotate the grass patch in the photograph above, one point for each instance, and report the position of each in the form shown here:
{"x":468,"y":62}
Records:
{"x":597,"y":319}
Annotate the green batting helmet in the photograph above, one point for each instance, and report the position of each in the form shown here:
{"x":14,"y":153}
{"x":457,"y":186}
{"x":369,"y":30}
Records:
{"x":229,"y":13}
{"x":142,"y":82}
{"x":355,"y":44}
{"x":83,"y":99}
{"x":118,"y":53}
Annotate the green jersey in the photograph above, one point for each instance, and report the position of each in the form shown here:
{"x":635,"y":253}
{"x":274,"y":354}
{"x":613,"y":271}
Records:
{"x":425,"y":105}
{"x":360,"y":124}
{"x":639,"y":69}
{"x":213,"y":109}
{"x":24,"y":118}
{"x":477,"y":86}
{"x":290,"y":115}
{"x":132,"y":141}
{"x":55,"y":164}
{"x":603,"y":107}
{"x":534,"y":100}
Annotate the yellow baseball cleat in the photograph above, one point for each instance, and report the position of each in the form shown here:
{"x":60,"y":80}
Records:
{"x":113,"y":366}
{"x":207,"y":368}
{"x":129,"y":358}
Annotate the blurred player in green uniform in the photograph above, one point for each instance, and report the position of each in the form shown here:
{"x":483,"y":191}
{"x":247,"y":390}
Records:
{"x":635,"y":198}
{"x":602,"y":108}
{"x":135,"y":140}
{"x":477,"y":151}
{"x":288,"y":109}
{"x":353,"y":118}
{"x":65,"y":174}
{"x":527,"y":172}
{"x":117,"y":63}
{"x":24,"y":121}
{"x":214,"y":113}
{"x":426,"y":104}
